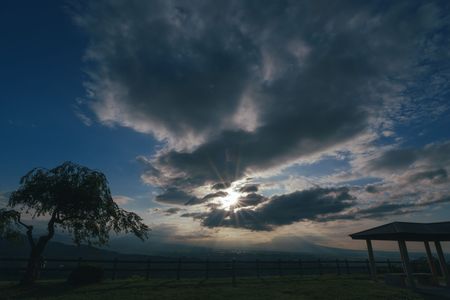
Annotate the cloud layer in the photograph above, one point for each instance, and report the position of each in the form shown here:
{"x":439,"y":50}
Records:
{"x":238,"y":88}
{"x":266,"y":214}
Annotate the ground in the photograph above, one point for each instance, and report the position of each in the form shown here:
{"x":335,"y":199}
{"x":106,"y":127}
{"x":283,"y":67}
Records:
{"x":248,"y":289}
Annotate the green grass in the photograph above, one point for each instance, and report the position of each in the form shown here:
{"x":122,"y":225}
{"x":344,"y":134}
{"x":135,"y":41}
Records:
{"x":269,"y":288}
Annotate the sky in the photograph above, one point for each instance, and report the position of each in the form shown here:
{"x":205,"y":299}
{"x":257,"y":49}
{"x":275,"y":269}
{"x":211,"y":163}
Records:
{"x":236,"y":123}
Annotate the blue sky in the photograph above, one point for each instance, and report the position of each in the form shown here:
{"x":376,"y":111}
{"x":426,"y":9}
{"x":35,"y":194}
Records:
{"x":42,"y":78}
{"x":240,"y":120}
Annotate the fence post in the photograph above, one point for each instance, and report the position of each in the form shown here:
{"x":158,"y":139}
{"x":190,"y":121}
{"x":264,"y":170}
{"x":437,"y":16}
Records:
{"x":338,"y":268}
{"x":279,"y":268}
{"x":233,"y":271}
{"x":347,"y":267}
{"x":257,"y":269}
{"x":389,"y":265}
{"x":368,"y":267}
{"x":320,"y":267}
{"x":149,"y":264}
{"x":300,"y":267}
{"x":178,"y":268}
{"x":114,"y":268}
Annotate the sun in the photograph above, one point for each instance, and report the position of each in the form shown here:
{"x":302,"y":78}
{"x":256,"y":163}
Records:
{"x":229,"y":200}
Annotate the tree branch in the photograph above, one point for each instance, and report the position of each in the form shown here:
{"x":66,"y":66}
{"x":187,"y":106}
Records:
{"x":51,"y":226}
{"x":29,"y":232}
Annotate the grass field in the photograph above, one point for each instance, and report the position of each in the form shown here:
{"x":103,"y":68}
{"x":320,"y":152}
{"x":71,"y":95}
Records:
{"x":248,"y":289}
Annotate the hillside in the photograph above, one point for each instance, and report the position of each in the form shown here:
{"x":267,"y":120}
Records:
{"x":132,"y":248}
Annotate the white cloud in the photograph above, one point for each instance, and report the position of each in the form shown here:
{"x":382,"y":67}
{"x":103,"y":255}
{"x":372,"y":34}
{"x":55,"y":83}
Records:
{"x":122,"y":200}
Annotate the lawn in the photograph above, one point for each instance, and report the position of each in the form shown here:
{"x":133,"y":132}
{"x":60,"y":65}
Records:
{"x":269,"y":288}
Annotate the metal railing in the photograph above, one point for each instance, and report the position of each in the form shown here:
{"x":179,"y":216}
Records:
{"x":13,"y":268}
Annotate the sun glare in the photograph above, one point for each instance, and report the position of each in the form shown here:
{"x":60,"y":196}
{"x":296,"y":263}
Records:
{"x":230,"y":200}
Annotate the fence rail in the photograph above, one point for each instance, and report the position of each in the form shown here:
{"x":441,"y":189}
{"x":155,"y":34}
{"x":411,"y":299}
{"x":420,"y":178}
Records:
{"x":12,"y":268}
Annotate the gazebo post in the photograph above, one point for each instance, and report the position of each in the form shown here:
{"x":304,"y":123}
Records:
{"x":430,"y":259}
{"x":406,"y":263}
{"x":408,"y":231}
{"x":373,"y":268}
{"x":442,"y":262}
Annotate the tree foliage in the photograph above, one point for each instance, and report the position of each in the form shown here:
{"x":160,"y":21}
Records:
{"x":73,"y":198}
{"x":78,"y":200}
{"x":9,"y":224}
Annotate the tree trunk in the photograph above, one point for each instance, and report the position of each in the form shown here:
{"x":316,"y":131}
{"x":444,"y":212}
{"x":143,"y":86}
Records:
{"x":37,"y":249}
{"x":34,"y":263}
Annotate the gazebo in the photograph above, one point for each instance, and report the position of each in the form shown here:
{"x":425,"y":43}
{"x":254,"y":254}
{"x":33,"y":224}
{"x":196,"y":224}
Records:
{"x":403,"y":232}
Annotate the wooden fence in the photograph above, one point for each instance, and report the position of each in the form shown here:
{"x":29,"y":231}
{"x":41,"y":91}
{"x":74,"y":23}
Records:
{"x":12,"y":268}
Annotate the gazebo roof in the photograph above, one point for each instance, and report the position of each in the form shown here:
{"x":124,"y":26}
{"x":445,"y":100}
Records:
{"x":406,"y":231}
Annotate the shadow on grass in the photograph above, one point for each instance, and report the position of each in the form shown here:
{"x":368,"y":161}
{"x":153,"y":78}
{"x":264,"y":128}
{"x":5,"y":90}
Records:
{"x":288,"y":287}
{"x":38,"y":290}
{"x":55,"y":288}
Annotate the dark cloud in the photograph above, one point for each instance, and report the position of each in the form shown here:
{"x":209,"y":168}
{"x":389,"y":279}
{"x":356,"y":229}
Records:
{"x":437,"y":153}
{"x":172,"y":211}
{"x":319,"y":205}
{"x":238,"y":86}
{"x":435,"y":176}
{"x":430,"y":156}
{"x":382,"y":210}
{"x":306,"y":205}
{"x":251,"y":199}
{"x":249,"y":188}
{"x":206,"y":198}
{"x":244,"y":218}
{"x":389,"y":208}
{"x":190,"y":215}
{"x":372,"y":189}
{"x":176,"y":196}
{"x":180,"y":197}
{"x":212,"y":205}
{"x":172,"y":69}
{"x":394,"y":159}
{"x":215,"y":195}
{"x":235,"y":88}
{"x":220,"y":186}
{"x":313,"y":204}
{"x":412,"y":178}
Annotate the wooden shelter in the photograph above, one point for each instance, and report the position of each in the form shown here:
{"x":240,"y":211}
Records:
{"x":403,"y":232}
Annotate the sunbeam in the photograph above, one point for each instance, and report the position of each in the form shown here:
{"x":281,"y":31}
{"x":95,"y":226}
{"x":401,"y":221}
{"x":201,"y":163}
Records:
{"x":229,"y":201}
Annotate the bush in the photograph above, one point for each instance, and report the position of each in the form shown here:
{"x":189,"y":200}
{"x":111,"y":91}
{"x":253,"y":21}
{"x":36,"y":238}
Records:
{"x":86,"y":274}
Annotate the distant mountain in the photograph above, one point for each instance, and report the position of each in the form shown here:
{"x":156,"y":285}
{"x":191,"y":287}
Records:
{"x":279,"y":248}
{"x":132,"y":245}
{"x":55,"y":249}
{"x":128,"y":247}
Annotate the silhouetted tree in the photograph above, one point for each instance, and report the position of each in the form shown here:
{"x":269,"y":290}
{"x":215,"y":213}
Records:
{"x":75,"y":199}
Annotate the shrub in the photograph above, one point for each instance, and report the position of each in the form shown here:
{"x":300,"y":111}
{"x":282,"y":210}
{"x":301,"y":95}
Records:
{"x":86,"y":274}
